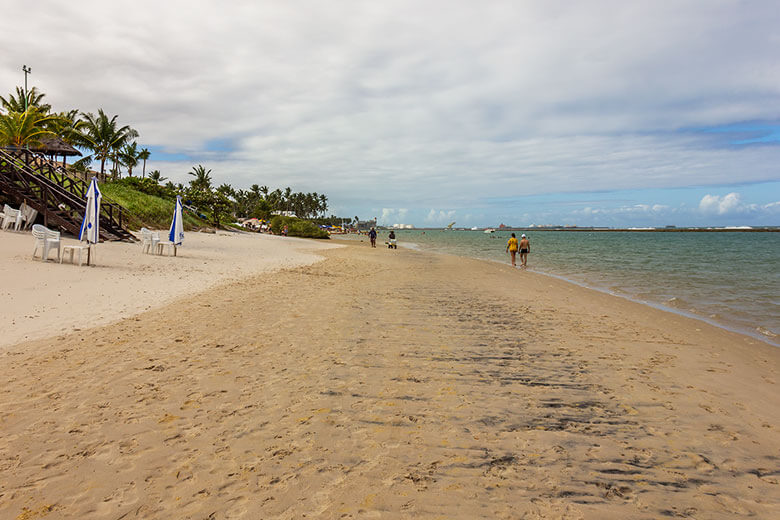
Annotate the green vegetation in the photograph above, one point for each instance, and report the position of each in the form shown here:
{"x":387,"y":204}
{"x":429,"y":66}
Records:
{"x":156,"y":212}
{"x":106,"y":139}
{"x":297,"y":227}
{"x":149,"y":186}
{"x":25,"y":119}
{"x":27,"y":128}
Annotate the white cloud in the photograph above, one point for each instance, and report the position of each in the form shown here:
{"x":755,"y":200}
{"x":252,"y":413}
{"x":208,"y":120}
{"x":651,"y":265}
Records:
{"x":711,"y":210}
{"x":731,"y":203}
{"x":440,"y":216}
{"x":432,"y":104}
{"x":393,"y":216}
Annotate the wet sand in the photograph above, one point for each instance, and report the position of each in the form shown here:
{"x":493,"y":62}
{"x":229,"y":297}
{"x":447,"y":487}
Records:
{"x":392,"y":384}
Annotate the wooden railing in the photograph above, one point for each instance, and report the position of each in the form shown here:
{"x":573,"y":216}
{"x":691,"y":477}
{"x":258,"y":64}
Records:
{"x":37,"y":178}
{"x":38,"y":164}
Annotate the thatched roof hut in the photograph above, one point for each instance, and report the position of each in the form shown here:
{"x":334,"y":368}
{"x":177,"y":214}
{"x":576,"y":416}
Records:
{"x":56,"y":147}
{"x":52,"y":146}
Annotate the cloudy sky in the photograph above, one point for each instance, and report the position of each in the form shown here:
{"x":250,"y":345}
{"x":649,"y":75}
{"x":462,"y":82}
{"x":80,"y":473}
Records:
{"x":611,"y":113}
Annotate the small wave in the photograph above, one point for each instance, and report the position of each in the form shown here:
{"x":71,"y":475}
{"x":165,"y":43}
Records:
{"x":410,"y":245}
{"x":766,"y":332}
{"x":676,"y":303}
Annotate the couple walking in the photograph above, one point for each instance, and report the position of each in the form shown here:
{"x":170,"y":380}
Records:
{"x":524,"y":247}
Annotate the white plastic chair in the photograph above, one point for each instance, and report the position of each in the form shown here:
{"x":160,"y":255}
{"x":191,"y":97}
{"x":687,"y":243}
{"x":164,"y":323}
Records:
{"x":149,"y":241}
{"x":47,"y":240}
{"x":28,"y":216}
{"x":11,"y":216}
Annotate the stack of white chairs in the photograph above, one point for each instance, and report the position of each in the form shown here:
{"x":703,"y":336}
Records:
{"x":13,"y":217}
{"x":149,"y":241}
{"x":46,"y":240}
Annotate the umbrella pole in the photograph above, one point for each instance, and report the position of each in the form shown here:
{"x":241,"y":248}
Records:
{"x":89,"y":250}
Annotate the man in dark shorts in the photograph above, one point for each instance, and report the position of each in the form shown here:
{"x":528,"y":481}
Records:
{"x":372,"y":236}
{"x":525,"y":248}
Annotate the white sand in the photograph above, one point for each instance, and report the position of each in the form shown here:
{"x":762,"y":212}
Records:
{"x":41,"y":299}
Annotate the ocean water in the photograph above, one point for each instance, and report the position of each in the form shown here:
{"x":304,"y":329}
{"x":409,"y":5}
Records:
{"x":730,"y":279}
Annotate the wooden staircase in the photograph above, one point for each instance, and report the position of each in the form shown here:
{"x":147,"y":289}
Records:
{"x":30,"y":177}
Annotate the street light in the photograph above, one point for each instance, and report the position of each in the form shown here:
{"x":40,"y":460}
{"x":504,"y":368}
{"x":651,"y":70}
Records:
{"x":26,"y":71}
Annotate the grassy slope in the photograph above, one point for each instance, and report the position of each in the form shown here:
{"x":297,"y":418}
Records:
{"x":155,"y":212}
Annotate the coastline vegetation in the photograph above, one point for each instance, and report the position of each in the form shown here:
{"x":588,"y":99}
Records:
{"x":297,"y":227}
{"x":26,"y":122}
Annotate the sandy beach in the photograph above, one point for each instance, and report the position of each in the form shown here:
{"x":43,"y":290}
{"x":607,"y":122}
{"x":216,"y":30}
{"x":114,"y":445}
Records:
{"x":122,"y":281}
{"x":264,"y":383}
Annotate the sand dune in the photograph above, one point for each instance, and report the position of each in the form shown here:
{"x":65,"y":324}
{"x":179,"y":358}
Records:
{"x":392,"y":384}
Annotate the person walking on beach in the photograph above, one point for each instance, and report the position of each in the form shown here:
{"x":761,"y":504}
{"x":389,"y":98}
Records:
{"x":511,"y":247}
{"x":392,"y":244}
{"x":372,"y":236}
{"x":525,"y":248}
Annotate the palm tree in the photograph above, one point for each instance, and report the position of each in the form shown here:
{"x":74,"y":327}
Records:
{"x":156,"y":176}
{"x":128,"y":156}
{"x":264,"y":191}
{"x":67,"y":126}
{"x":275,"y":199}
{"x":202,"y":179}
{"x":116,"y":166}
{"x":287,"y":195}
{"x":23,"y":101}
{"x":226,"y":190}
{"x":24,"y":129}
{"x":323,"y":203}
{"x":104,"y":136}
{"x":144,"y":155}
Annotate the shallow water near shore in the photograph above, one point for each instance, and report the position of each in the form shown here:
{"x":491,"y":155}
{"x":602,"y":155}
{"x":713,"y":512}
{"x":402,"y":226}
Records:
{"x":731,"y":279}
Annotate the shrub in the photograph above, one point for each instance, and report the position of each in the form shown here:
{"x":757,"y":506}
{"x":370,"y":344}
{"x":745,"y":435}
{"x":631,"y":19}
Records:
{"x":148,"y":186}
{"x":297,"y":227}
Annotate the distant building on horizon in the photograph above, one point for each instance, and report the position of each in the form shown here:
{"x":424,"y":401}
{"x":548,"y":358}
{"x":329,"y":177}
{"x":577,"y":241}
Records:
{"x":365,"y":225}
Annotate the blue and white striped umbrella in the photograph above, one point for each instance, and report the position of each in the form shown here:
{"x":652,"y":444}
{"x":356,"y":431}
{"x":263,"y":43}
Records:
{"x":90,"y":227}
{"x":176,"y":234}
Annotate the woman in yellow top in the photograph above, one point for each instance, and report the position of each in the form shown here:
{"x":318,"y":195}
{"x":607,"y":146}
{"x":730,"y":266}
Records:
{"x":511,"y":247}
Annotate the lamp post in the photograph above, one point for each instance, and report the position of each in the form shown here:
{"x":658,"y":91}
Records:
{"x":26,"y":71}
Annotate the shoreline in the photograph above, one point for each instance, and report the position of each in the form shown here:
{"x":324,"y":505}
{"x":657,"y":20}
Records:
{"x":661,"y":307}
{"x":755,"y":333}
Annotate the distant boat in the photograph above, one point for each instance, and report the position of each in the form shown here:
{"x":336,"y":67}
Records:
{"x":475,"y":228}
{"x":490,"y":230}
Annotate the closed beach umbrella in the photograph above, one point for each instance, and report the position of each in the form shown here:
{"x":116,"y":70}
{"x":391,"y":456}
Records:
{"x":176,"y":234}
{"x":90,"y":227}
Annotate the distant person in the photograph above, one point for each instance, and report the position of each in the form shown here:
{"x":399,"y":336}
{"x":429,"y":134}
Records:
{"x":511,"y":247}
{"x":525,"y":248}
{"x":392,"y":244}
{"x":284,"y":230}
{"x":372,"y":236}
